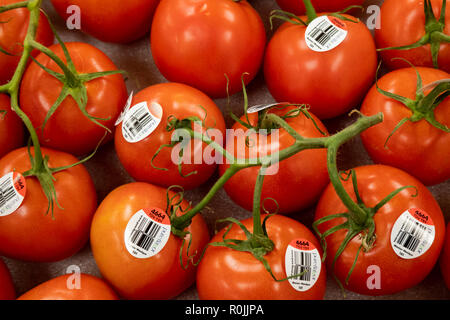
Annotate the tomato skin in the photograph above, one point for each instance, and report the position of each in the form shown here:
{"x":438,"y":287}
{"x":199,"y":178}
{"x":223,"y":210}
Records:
{"x":159,"y":277}
{"x":7,"y":291}
{"x":226,"y":274}
{"x":297,"y":7}
{"x":197,"y":42}
{"x":11,"y":128}
{"x":444,"y":261}
{"x":306,"y":171}
{"x":403,"y":23}
{"x":68,"y":129}
{"x":112,"y":20}
{"x":13,"y":32}
{"x":418,"y":148}
{"x":375,"y":182}
{"x":349,"y":69}
{"x":180,"y":101}
{"x":24,"y":234}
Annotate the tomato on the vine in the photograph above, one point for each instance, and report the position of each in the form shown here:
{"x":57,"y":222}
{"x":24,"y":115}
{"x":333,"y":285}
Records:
{"x":7,"y":291}
{"x":298,"y":7}
{"x":11,"y":128}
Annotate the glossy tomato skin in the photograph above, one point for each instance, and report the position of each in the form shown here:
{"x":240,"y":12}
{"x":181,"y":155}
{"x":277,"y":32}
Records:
{"x":13,"y":30}
{"x":299,"y":180}
{"x":29,"y":233}
{"x":159,"y":277}
{"x":297,"y":7}
{"x":418,"y":148}
{"x":111,"y":20}
{"x":11,"y":128}
{"x":445,"y":258}
{"x":331,"y":82}
{"x":375,"y":182}
{"x":68,"y":129}
{"x":403,"y":23}
{"x":226,"y":274}
{"x":7,"y":291}
{"x":59,"y":288}
{"x":180,"y":101}
{"x":198,"y":42}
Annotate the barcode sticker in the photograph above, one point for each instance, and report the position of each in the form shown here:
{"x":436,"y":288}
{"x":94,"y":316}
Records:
{"x":413,"y":234}
{"x":325,"y":33}
{"x":12,"y":192}
{"x":125,"y":109}
{"x":303,"y":259}
{"x":147,"y":232}
{"x":139,"y":122}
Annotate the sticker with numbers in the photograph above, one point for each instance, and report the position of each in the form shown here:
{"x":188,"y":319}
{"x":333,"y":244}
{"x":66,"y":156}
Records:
{"x":139,"y":122}
{"x":125,"y":109}
{"x":147,"y":232}
{"x":325,"y":33}
{"x":12,"y":192}
{"x":413,"y":234}
{"x":303,"y":259}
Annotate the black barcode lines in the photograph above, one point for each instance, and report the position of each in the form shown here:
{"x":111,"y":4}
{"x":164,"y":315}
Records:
{"x":410,"y":235}
{"x":138,"y":121}
{"x":324,"y":32}
{"x":302,"y":262}
{"x":7,"y":192}
{"x":144,"y":234}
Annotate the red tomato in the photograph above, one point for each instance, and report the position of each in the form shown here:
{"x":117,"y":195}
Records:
{"x":305,"y":171}
{"x":199,"y":42}
{"x":403,"y":23}
{"x":65,"y":288}
{"x":226,"y":274}
{"x":69,"y":129}
{"x":13,"y":30}
{"x":331,"y":82}
{"x":110,"y":20}
{"x":445,"y":258}
{"x":297,"y":7}
{"x":180,"y":101}
{"x":7,"y":291}
{"x":381,"y":270}
{"x":32,"y":235}
{"x":155,"y":277}
{"x":11,"y":128}
{"x":418,"y":148}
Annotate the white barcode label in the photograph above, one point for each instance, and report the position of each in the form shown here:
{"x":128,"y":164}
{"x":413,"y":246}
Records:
{"x":325,"y":33}
{"x":413,"y":234}
{"x":12,"y":192}
{"x":303,"y":259}
{"x":125,"y":109}
{"x":139,"y":122}
{"x":147,"y":233}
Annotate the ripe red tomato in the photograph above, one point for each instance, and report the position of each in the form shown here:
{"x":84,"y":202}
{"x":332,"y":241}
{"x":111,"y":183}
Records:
{"x":158,"y":276}
{"x":331,"y":82}
{"x":403,"y":23}
{"x":69,"y":129}
{"x":13,"y":30}
{"x":445,"y":258}
{"x":199,"y":42}
{"x":11,"y":128}
{"x":180,"y":101}
{"x":7,"y":291}
{"x":111,"y":20}
{"x":65,"y":288}
{"x":226,"y":274}
{"x":381,"y":270}
{"x":305,"y":171}
{"x":297,"y":7}
{"x":416,"y":147}
{"x":32,"y":235}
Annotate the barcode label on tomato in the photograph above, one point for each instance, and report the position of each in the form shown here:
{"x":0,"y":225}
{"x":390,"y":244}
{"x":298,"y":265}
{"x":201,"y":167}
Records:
{"x":325,"y":33}
{"x":413,"y":234}
{"x":12,"y":192}
{"x":139,"y":122}
{"x":303,"y":264}
{"x":147,"y":232}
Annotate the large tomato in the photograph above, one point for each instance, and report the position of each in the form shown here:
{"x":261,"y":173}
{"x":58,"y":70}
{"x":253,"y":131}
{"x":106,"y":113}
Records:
{"x":157,"y":276}
{"x":200,"y":43}
{"x":331,"y":82}
{"x":7,"y":291}
{"x":67,"y":287}
{"x":11,"y":128}
{"x":69,"y":129}
{"x":298,"y":181}
{"x":32,"y":234}
{"x":445,"y":258}
{"x":381,"y":270}
{"x":13,"y":30}
{"x":177,"y":101}
{"x":227,"y":274}
{"x":297,"y":6}
{"x":110,"y":20}
{"x":416,"y":147}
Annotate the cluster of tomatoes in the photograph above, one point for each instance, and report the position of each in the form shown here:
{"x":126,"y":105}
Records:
{"x":209,"y":49}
